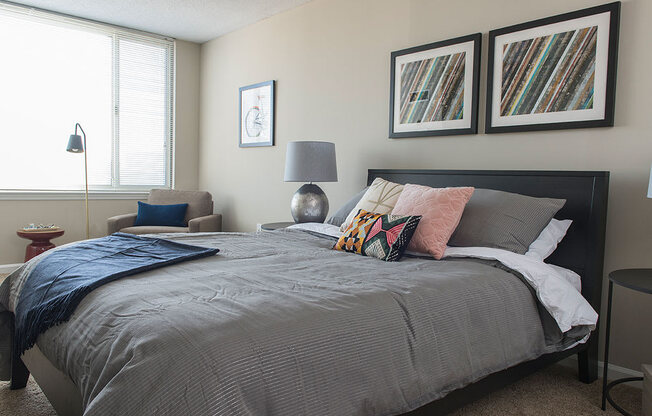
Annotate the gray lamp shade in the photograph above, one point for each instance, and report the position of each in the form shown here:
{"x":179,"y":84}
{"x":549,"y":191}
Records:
{"x":649,"y":186}
{"x":310,"y":161}
{"x":75,"y":144}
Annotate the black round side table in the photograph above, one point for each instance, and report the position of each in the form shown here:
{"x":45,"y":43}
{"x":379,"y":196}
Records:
{"x":271,"y":226}
{"x":639,"y":280}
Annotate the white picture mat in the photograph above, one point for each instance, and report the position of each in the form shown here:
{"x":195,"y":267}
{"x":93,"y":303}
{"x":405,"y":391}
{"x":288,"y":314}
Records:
{"x":261,"y":97}
{"x":600,"y":80}
{"x":465,"y":122}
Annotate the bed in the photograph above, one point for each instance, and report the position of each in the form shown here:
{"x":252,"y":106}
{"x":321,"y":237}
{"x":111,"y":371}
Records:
{"x":355,"y":339}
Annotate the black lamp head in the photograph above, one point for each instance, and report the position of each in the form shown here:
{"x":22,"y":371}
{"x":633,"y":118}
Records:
{"x":75,"y":144}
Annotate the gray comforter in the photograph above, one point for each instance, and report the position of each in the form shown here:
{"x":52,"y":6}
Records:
{"x":279,"y":324}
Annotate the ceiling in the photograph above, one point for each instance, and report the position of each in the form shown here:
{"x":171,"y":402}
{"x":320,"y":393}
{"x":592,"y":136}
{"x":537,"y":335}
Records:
{"x":192,"y":20}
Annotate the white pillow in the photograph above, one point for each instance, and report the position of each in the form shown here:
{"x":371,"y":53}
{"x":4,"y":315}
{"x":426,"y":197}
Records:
{"x":547,"y":241}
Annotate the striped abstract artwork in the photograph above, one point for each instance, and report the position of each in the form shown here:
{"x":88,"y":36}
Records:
{"x":550,"y":73}
{"x":433,"y":89}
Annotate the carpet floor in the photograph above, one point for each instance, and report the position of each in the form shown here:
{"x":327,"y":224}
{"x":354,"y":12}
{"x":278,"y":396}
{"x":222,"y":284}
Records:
{"x":553,"y":391}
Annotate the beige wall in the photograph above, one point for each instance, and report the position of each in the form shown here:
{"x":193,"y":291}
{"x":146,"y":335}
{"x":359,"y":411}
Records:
{"x":70,"y":214}
{"x":331,"y":62}
{"x":186,"y":125}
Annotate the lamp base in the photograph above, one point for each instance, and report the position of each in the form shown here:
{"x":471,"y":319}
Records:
{"x":309,"y":204}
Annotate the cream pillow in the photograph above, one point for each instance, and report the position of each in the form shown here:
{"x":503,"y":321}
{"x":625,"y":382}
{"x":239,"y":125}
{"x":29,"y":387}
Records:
{"x":380,"y":198}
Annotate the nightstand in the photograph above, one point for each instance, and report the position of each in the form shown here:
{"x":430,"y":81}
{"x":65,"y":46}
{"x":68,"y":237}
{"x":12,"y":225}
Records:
{"x":271,"y":226}
{"x":639,"y":280}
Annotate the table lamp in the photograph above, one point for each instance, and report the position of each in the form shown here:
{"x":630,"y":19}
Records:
{"x":76,"y":145}
{"x":310,"y":161}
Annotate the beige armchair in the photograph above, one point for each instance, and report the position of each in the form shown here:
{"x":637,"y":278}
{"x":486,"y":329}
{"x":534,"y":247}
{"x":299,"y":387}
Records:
{"x":199,"y":216}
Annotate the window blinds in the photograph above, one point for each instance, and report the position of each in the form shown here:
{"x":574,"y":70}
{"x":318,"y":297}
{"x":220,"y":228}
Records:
{"x":143,"y":111}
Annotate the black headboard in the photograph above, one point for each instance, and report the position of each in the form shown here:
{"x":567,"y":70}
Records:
{"x":582,"y":250}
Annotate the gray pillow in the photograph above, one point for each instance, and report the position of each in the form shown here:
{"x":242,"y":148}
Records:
{"x":340,"y":215}
{"x":503,"y":220}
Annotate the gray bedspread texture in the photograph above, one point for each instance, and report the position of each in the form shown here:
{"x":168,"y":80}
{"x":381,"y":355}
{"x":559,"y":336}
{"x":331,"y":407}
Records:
{"x":279,"y":324}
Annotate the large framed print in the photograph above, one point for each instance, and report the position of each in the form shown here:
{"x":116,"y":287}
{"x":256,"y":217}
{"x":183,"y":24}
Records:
{"x":257,"y":114}
{"x":434,"y":88}
{"x":554,"y":73}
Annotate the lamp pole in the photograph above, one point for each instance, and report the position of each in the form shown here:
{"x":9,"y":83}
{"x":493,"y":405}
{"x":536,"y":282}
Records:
{"x":88,"y":227}
{"x":75,"y":145}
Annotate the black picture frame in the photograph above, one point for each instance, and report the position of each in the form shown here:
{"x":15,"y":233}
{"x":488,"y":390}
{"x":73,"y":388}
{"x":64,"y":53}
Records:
{"x":263,"y":115}
{"x":602,"y":98}
{"x":475,"y":40}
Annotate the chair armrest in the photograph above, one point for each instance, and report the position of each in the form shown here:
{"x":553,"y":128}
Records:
{"x":209,"y":223}
{"x":117,"y":223}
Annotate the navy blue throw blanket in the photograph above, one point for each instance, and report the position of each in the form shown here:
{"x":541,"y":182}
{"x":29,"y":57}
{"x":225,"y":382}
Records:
{"x":60,"y":281}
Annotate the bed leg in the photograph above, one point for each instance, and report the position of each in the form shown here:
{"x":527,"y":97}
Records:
{"x":19,"y":374}
{"x":587,"y":361}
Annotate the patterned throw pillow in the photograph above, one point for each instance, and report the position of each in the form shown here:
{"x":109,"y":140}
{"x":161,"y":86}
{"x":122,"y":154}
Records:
{"x":379,"y":198}
{"x":377,"y":235}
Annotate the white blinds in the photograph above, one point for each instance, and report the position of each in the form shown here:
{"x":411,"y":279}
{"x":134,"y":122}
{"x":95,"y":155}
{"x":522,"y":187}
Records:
{"x":143,"y":112}
{"x":116,"y":83}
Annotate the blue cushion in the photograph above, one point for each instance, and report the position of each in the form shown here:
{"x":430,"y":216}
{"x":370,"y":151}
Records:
{"x":169,"y":215}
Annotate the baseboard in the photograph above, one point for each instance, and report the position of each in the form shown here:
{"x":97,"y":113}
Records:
{"x":615,"y":371}
{"x":8,"y":268}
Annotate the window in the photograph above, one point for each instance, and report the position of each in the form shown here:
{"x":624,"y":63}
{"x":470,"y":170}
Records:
{"x":57,"y":71}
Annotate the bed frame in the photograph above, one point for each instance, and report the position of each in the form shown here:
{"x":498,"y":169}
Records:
{"x":582,"y":251}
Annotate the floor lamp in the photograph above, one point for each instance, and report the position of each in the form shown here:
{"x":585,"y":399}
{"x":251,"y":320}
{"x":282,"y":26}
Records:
{"x":76,"y":145}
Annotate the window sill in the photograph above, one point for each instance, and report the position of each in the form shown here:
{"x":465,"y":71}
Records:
{"x":70,"y":195}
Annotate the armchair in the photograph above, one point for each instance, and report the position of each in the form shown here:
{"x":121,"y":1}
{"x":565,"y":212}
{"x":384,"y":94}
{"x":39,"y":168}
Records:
{"x":199,"y":216}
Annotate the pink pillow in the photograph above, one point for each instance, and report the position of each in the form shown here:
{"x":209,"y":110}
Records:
{"x":440,"y":210}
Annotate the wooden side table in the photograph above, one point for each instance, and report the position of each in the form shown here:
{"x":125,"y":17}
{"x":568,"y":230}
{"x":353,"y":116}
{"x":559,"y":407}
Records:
{"x":639,"y":280}
{"x":40,"y":241}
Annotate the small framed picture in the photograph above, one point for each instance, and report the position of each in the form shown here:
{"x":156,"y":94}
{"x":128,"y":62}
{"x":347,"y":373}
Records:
{"x":554,"y":73}
{"x":433,"y":88}
{"x":257,"y":114}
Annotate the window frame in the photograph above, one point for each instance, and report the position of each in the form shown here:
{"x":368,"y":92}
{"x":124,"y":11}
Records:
{"x":116,"y":33}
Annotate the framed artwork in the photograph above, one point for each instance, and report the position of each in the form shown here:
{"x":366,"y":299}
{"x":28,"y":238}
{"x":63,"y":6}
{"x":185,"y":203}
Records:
{"x":257,"y":114}
{"x":554,"y":73}
{"x":433,"y":88}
